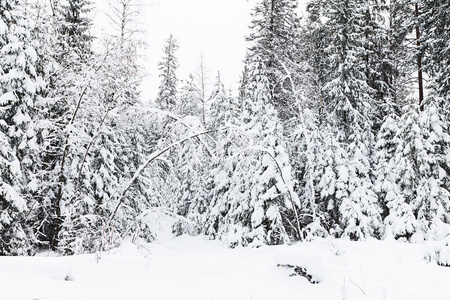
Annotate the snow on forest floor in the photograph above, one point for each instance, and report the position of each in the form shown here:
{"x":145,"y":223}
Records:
{"x":195,"y":268}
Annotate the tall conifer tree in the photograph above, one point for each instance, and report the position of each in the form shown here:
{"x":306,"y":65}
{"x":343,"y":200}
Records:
{"x":19,"y":87}
{"x":273,"y":37}
{"x":167,"y":95}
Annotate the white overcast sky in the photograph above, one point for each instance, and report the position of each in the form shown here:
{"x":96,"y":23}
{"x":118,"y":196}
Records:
{"x":214,"y":29}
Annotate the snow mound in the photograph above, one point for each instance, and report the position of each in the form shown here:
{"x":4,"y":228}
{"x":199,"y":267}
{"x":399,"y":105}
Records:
{"x":443,"y":258}
{"x":439,"y":253}
{"x":310,"y":261}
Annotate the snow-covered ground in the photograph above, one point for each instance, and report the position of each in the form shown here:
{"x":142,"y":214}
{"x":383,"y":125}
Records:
{"x":195,"y":268}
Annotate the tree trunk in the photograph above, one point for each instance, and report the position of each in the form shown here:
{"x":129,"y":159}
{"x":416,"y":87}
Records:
{"x":419,"y":59}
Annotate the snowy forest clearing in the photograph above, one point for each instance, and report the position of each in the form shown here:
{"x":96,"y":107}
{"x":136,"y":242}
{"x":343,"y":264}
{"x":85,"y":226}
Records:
{"x":195,"y":268}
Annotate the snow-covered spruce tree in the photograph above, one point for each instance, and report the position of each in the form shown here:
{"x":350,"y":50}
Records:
{"x":107,"y":163}
{"x":350,"y":103}
{"x":273,"y":38}
{"x":310,"y":157}
{"x":369,"y":52}
{"x":224,"y":117}
{"x":41,"y":189}
{"x":434,"y":26}
{"x":189,"y":100}
{"x":327,"y":181}
{"x":221,"y":180}
{"x":72,"y":111}
{"x":418,"y":161}
{"x":378,"y":48}
{"x":74,"y":25}
{"x":167,"y":94}
{"x":379,"y":61}
{"x":386,"y":144}
{"x":360,"y":215}
{"x":436,"y":39}
{"x":243,"y":81}
{"x":274,"y":217}
{"x":396,"y":213}
{"x":308,"y":136}
{"x":259,"y":203}
{"x":100,"y":168}
{"x":349,"y":97}
{"x":19,"y":88}
{"x":222,"y":108}
{"x":336,"y":195}
{"x":39,"y":167}
{"x":313,"y":61}
{"x":190,"y":163}
{"x":399,"y":63}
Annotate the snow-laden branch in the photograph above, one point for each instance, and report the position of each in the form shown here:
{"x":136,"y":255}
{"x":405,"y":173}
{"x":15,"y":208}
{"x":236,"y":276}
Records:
{"x":97,"y":133}
{"x":185,"y":124}
{"x":291,"y":194}
{"x":151,"y":158}
{"x":288,"y":75}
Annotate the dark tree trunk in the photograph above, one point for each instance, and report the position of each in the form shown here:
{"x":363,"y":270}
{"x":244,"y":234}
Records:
{"x":419,"y":60}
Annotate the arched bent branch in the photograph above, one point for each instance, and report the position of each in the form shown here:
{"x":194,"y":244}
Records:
{"x":152,"y":157}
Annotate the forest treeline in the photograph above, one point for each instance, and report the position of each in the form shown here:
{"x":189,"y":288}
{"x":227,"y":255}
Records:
{"x":340,"y":127}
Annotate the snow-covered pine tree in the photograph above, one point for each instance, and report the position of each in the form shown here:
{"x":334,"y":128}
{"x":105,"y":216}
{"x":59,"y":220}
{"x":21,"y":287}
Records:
{"x":379,"y":61}
{"x":74,"y":26}
{"x":202,"y":81}
{"x":189,"y":100}
{"x":436,"y":39}
{"x":349,"y":100}
{"x":273,"y":37}
{"x":435,"y":24}
{"x":221,"y":180}
{"x":312,"y":154}
{"x":107,"y":162}
{"x":313,"y":62}
{"x":360,"y":215}
{"x":65,"y":132}
{"x":190,"y":163}
{"x":222,"y":108}
{"x":418,"y":160}
{"x":224,"y":117}
{"x":349,"y":97}
{"x":19,"y":86}
{"x":167,"y":94}
{"x":259,"y":204}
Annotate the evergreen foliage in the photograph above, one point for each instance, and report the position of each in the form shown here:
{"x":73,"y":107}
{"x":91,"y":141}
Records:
{"x":75,"y":24}
{"x":189,"y":99}
{"x":325,"y":137}
{"x":19,"y":88}
{"x":167,"y":94}
{"x":274,"y":34}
